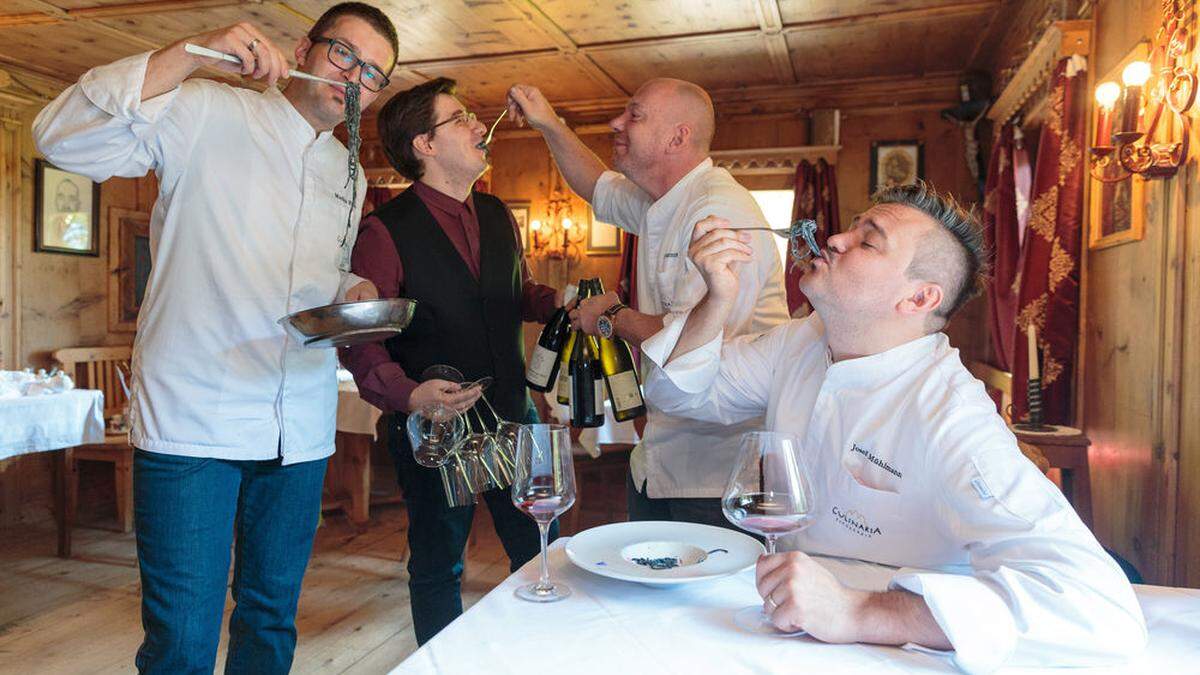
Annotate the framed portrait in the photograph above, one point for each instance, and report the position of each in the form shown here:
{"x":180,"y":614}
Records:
{"x":66,"y":211}
{"x":602,"y":238}
{"x":128,"y":266}
{"x":896,"y":163}
{"x":520,"y":211}
{"x":1116,"y":206}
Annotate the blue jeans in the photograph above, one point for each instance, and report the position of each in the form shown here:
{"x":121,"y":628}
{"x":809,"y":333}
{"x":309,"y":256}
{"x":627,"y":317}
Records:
{"x":187,"y":512}
{"x":437,"y":536}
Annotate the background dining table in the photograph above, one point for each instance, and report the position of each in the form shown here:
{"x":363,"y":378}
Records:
{"x":611,"y":626}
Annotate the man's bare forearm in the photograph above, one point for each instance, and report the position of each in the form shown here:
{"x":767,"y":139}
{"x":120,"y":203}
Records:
{"x":579,"y":165}
{"x":897,"y":618}
{"x":167,"y":68}
{"x":705,"y":322}
{"x":635,"y":327}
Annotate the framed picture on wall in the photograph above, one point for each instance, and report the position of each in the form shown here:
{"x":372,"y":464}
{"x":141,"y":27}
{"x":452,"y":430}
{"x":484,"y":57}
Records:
{"x":896,"y":163}
{"x":603,"y":238}
{"x":128,"y":266}
{"x":66,"y":211}
{"x":520,"y":211}
{"x":1116,"y":203}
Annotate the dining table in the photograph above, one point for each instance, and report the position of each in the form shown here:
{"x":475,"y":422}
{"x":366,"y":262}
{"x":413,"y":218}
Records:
{"x":614,"y":626}
{"x":53,"y":422}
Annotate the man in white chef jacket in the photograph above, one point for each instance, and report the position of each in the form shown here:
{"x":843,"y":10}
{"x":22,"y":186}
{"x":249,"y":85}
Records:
{"x":255,"y":219}
{"x":665,"y":181}
{"x":912,"y":466}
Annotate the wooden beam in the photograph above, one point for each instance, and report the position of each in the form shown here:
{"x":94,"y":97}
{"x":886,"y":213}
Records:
{"x":893,"y":16}
{"x":114,"y":11}
{"x":770,"y":22}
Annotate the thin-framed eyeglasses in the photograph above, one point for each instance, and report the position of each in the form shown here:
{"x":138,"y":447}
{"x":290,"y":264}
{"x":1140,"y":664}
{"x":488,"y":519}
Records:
{"x":344,"y":57}
{"x":463,"y":116}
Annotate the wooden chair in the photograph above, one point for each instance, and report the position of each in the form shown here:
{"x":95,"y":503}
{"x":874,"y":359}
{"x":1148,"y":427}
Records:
{"x":96,"y":368}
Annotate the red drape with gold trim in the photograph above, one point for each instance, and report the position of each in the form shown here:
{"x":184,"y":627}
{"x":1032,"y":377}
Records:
{"x":1004,"y":240}
{"x":816,"y":198}
{"x":1049,"y":295}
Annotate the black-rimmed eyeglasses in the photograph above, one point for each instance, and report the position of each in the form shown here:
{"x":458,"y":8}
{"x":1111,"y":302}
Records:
{"x":344,"y":57}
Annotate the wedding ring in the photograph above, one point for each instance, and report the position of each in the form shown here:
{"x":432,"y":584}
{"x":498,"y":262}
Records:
{"x":252,"y":43}
{"x":772,"y":603}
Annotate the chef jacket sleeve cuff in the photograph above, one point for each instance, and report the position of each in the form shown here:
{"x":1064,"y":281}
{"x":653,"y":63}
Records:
{"x":976,"y":620}
{"x":116,"y":88}
{"x":692,"y":372}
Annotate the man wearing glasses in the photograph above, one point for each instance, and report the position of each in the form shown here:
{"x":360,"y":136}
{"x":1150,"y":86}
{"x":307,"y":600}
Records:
{"x":458,"y":253}
{"x":232,"y":421}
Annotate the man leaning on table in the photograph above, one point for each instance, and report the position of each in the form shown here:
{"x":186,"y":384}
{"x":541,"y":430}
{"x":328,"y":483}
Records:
{"x":232,"y":421}
{"x":667,"y":183}
{"x":913,"y":466}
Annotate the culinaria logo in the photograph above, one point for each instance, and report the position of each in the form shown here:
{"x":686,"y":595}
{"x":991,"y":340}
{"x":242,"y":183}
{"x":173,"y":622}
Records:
{"x":855,"y":522}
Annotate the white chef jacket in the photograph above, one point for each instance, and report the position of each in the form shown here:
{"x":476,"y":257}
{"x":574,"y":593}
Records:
{"x":678,"y":457}
{"x":249,"y":226}
{"x":912,"y":467}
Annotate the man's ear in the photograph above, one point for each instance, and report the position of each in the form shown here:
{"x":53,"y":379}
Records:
{"x":680,"y":139}
{"x":925,"y":299}
{"x":302,"y":49}
{"x":422,"y":146}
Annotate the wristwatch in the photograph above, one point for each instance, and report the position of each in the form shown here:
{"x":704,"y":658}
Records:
{"x":604,"y":325}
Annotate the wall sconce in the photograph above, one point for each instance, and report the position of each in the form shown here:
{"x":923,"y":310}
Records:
{"x":1165,"y":84}
{"x":557,"y":236}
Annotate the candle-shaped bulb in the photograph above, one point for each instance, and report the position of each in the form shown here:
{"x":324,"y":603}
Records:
{"x":1136,"y":74}
{"x":566,"y":223}
{"x":1107,"y":94}
{"x":1033,"y":354}
{"x":535,"y":225}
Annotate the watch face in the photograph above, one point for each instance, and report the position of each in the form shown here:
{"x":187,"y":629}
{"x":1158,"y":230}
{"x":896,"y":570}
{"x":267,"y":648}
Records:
{"x":604,"y":325}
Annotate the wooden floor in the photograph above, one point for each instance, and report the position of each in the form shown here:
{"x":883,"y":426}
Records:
{"x":82,"y":615}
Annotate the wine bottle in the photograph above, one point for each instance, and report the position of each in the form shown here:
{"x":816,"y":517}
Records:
{"x":587,"y":388}
{"x":621,"y":377}
{"x":542,"y":372}
{"x":563,"y":388}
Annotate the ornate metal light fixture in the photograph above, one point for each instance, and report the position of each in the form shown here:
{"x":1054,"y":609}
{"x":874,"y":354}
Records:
{"x":558,"y":236}
{"x":1155,"y":94}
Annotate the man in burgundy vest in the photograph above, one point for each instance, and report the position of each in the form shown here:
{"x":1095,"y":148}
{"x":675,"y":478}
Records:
{"x":458,"y":254}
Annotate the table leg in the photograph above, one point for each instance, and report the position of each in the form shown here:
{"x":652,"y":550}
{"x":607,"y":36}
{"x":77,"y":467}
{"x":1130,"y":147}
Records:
{"x":65,"y":482}
{"x":358,"y":476}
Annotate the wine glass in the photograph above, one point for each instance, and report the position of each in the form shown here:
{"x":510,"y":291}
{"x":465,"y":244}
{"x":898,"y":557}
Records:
{"x":433,"y":431}
{"x":544,"y":487}
{"x":769,"y":493}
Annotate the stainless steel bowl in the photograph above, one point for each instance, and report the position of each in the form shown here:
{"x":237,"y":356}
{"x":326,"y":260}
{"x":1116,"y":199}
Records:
{"x":349,"y":323}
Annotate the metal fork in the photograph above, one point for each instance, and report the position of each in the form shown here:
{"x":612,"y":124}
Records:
{"x":488,"y":139}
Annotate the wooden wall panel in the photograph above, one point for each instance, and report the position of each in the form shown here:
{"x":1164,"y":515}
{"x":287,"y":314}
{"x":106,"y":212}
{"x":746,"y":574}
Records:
{"x":1142,"y":430}
{"x":591,"y":22}
{"x":713,"y":64}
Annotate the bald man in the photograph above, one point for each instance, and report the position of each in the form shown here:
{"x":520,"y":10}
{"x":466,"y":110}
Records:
{"x":663,"y":185}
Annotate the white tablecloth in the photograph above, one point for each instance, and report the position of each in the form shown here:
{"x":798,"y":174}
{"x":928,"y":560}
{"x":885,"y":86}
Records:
{"x":354,"y":415}
{"x":610,"y":626}
{"x":50,"y":422}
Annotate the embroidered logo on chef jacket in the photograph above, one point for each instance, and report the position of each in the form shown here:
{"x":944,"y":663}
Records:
{"x":855,"y":522}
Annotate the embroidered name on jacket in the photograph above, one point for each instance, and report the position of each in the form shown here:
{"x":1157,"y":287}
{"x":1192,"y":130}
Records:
{"x":855,"y":522}
{"x":876,"y":461}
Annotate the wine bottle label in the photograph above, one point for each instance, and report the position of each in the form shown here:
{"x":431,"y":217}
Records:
{"x":541,"y":364}
{"x":599,"y":383}
{"x":564,"y":385}
{"x":626,"y":395}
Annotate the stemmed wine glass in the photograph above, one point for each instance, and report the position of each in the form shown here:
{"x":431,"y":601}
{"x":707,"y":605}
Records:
{"x":769,"y":493}
{"x":544,"y":487}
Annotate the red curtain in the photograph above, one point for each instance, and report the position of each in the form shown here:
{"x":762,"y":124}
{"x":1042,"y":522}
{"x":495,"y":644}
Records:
{"x":375,"y":198}
{"x":1049,"y":293}
{"x":1001,"y":231}
{"x":816,"y":198}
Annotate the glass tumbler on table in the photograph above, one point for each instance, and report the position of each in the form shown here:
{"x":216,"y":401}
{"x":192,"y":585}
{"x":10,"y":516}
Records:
{"x":544,"y":488}
{"x":769,"y":493}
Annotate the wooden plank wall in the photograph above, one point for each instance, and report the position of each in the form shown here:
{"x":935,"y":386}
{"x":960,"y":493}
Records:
{"x":1141,"y":326}
{"x":48,"y":301}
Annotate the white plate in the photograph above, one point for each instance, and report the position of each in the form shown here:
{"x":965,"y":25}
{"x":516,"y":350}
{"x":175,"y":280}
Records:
{"x":701,"y":551}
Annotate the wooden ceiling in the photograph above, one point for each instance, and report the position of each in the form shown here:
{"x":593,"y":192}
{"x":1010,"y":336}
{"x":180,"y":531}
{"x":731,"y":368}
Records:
{"x":755,"y":56}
